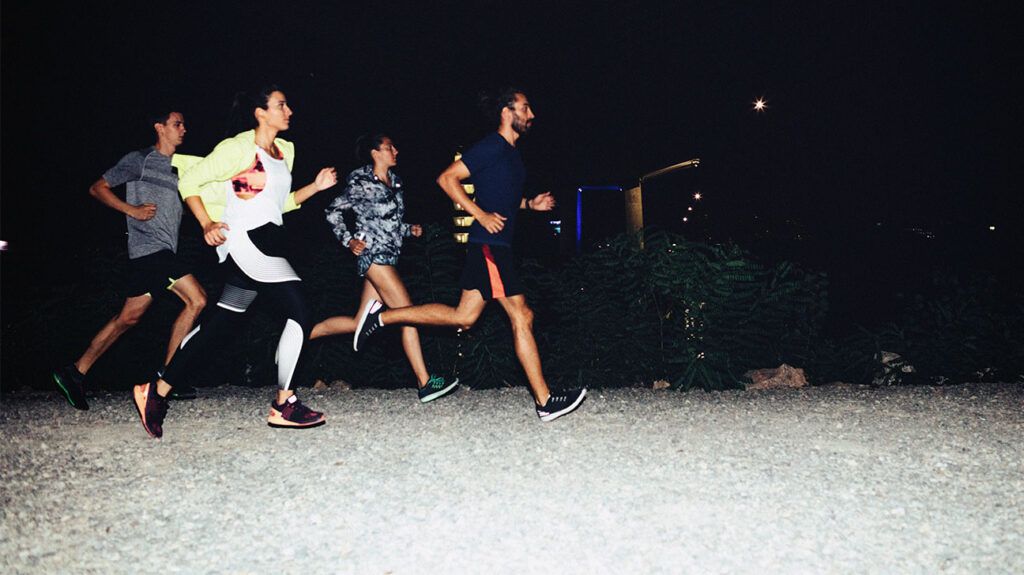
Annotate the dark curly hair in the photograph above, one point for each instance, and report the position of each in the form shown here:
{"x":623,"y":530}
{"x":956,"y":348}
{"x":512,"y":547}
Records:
{"x":493,"y":102}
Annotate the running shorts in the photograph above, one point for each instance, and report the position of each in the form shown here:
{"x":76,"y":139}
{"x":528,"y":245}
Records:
{"x":490,"y":269}
{"x":155,"y":272}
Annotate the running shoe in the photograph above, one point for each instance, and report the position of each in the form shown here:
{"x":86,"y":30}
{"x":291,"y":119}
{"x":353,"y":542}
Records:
{"x":559,"y":405}
{"x":182,"y":392}
{"x":293,"y":414}
{"x":152,"y":408}
{"x":369,"y":322}
{"x":71,"y":383}
{"x":437,"y":387}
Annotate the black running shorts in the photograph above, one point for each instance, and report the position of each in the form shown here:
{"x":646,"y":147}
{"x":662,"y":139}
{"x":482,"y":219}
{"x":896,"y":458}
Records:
{"x":153,"y":273}
{"x":491,"y":270}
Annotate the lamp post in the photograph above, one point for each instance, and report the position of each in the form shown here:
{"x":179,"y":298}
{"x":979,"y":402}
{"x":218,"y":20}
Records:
{"x":634,"y":196}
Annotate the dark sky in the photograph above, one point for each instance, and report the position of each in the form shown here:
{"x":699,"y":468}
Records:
{"x":901,"y":113}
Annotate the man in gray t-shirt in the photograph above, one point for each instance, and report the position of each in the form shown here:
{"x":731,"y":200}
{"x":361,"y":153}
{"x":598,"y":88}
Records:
{"x":152,"y":189}
{"x":153,"y":213}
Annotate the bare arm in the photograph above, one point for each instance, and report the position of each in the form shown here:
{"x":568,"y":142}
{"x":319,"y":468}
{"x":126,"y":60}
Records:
{"x":211,"y":229}
{"x":450,"y":181}
{"x":325,"y":179}
{"x":102,"y":192}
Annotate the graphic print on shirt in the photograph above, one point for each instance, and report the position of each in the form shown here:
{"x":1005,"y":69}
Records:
{"x":251,"y":181}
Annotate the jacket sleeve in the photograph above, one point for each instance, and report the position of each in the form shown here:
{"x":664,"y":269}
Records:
{"x":184,"y":162}
{"x":219,"y":166}
{"x":336,"y":216}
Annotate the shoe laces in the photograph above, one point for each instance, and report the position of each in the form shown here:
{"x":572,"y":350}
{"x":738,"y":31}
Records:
{"x":435,"y":381}
{"x":300,"y":408}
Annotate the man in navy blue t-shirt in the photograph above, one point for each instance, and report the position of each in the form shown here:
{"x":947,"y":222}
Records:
{"x":498,"y":176}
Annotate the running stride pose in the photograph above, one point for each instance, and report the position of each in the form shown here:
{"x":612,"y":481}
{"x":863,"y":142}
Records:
{"x":239,"y":193}
{"x":153,"y":212}
{"x":374,"y":193}
{"x":498,"y":175}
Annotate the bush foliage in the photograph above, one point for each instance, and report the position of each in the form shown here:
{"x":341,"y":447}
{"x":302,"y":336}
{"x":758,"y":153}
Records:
{"x":696,"y":315}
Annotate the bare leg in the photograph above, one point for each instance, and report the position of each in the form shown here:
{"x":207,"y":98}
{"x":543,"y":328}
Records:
{"x":130,"y":314}
{"x":526,"y":346}
{"x":471,"y":305}
{"x":393,"y":293}
{"x":190,"y":292}
{"x":162,"y":388}
{"x":343,"y":323}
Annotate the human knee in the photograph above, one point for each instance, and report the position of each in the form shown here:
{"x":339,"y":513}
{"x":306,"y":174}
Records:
{"x":129,"y":318}
{"x":465,"y":320}
{"x":522,"y":318}
{"x":197,"y":302}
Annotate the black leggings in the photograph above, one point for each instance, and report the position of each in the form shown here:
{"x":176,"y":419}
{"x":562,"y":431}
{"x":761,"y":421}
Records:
{"x":239,"y":292}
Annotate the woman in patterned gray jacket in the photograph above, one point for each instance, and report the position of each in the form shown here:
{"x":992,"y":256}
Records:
{"x":374,"y":193}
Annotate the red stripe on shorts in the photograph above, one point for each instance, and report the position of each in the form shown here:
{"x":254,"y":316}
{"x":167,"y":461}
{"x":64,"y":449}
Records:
{"x":497,"y":288}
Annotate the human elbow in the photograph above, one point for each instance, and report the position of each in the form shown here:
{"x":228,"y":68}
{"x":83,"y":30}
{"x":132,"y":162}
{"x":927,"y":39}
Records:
{"x":447,"y":178}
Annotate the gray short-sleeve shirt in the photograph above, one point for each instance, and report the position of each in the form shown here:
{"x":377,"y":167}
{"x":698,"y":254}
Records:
{"x":150,"y":179}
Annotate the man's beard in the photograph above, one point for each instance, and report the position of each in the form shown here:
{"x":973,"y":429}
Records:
{"x":521,"y":127}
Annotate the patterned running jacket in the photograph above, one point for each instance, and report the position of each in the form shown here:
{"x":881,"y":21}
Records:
{"x":379,"y":210}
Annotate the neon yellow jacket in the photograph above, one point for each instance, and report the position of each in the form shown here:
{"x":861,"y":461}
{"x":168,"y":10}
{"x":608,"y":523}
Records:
{"x":231,"y":157}
{"x":184,"y":162}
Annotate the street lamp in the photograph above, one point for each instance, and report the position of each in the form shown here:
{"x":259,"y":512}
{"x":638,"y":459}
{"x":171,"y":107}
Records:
{"x":634,"y":196}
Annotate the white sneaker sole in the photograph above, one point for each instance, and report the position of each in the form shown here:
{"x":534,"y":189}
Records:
{"x":441,"y":392}
{"x":555,"y":415}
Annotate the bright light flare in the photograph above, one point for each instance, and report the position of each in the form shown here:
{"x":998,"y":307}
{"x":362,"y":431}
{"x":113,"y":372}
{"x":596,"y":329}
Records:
{"x":697,"y":196}
{"x":759,"y":105}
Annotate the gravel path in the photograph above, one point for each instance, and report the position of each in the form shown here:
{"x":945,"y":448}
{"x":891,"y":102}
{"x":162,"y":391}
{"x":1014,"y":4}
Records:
{"x":839,"y":479}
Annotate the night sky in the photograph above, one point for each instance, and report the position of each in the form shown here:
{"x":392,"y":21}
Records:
{"x":901,"y":114}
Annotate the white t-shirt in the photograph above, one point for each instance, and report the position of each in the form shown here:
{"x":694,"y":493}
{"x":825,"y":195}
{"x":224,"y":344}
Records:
{"x":256,"y":197}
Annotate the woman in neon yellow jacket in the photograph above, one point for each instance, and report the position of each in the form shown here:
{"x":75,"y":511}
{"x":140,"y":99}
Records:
{"x":239,"y":193}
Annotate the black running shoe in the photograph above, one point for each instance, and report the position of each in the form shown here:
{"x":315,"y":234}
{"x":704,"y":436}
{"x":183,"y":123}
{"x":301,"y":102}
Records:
{"x":71,"y":383}
{"x":292,"y":413}
{"x":559,"y":405}
{"x":369,"y":322}
{"x":437,"y":387}
{"x":152,"y":408}
{"x":182,"y":392}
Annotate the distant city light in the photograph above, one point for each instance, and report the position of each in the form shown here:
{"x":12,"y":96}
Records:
{"x":759,"y":105}
{"x":990,"y":228}
{"x":686,"y":219}
{"x":689,"y":209}
{"x":697,"y":196}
